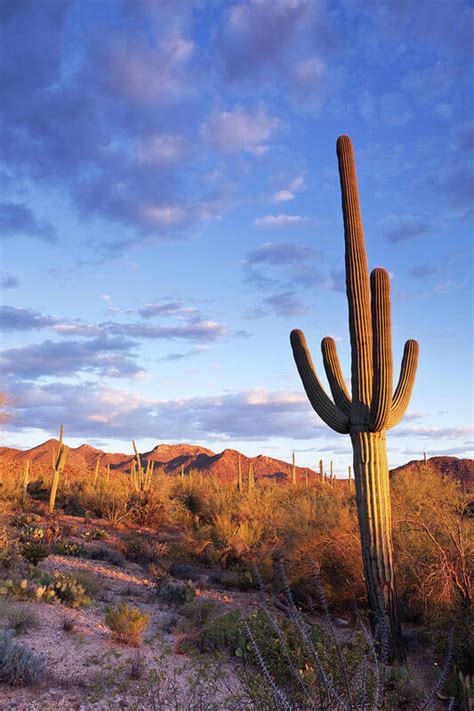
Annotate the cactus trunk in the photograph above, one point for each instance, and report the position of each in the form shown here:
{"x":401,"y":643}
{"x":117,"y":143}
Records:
{"x":375,"y":525}
{"x":372,"y":407}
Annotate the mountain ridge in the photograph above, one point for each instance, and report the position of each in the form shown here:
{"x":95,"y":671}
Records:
{"x":172,"y":458}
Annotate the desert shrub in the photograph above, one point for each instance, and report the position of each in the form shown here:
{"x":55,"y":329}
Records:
{"x":460,"y":619}
{"x":110,"y":555}
{"x":18,"y":665}
{"x":19,"y":589}
{"x":21,"y":520}
{"x":9,"y":551}
{"x":91,"y":583}
{"x":434,"y":541}
{"x":70,"y":548}
{"x":95,"y":534}
{"x":21,"y":619}
{"x":184,"y":571}
{"x":144,"y":550}
{"x":67,"y":623}
{"x":175,"y":592}
{"x":193,"y":502}
{"x":65,"y":588}
{"x":225,"y":631}
{"x":127,"y":624}
{"x":29,"y":532}
{"x":33,"y":552}
{"x":238,"y":577}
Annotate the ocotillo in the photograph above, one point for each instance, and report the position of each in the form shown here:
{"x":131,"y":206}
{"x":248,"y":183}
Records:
{"x":373,"y":408}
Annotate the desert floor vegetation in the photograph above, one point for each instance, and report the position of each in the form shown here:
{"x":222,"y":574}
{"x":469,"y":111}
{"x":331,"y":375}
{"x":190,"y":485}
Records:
{"x":183,"y":570}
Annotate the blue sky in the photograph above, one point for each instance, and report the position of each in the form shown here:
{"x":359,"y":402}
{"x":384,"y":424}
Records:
{"x":170,"y":211}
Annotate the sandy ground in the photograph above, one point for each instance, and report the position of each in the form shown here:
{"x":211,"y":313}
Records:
{"x":87,"y":669}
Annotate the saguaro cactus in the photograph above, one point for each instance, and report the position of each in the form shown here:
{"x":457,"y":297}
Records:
{"x":58,"y":462}
{"x":373,"y":408}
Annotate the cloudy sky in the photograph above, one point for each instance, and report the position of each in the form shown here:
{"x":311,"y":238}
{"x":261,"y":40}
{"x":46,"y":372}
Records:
{"x":170,"y":211}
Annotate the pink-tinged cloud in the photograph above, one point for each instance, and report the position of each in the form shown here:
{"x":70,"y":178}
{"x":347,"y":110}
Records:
{"x":240,"y":130}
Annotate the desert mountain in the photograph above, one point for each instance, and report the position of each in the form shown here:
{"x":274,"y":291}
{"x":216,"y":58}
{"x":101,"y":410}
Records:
{"x":172,"y":458}
{"x":168,"y":458}
{"x":460,"y":469}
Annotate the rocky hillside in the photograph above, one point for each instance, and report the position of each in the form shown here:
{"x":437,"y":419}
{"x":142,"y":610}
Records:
{"x":168,"y":458}
{"x":460,"y":469}
{"x":171,"y":458}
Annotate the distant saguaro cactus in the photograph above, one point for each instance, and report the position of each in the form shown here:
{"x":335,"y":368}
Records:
{"x":58,"y":462}
{"x":372,"y":408}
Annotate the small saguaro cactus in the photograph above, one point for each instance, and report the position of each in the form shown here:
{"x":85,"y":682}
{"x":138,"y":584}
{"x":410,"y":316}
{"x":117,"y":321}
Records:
{"x":58,"y":462}
{"x":373,"y":408}
{"x":251,"y":479}
{"x":321,"y":469}
{"x":140,"y":478}
{"x":26,"y":477}
{"x":240,"y":485}
{"x":293,"y":469}
{"x":96,"y":471}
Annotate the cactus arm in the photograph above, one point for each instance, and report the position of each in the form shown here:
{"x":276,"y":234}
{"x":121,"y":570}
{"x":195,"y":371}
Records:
{"x":382,"y":350}
{"x":403,"y":390}
{"x":318,"y":398}
{"x":357,"y":285}
{"x":334,"y":374}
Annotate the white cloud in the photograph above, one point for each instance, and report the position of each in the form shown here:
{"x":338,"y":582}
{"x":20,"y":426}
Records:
{"x":165,"y":216}
{"x":241,"y":130}
{"x":161,"y":148}
{"x":289,"y":193}
{"x":280,"y":220}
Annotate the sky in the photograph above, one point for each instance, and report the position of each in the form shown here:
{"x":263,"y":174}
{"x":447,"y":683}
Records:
{"x":170,"y":211}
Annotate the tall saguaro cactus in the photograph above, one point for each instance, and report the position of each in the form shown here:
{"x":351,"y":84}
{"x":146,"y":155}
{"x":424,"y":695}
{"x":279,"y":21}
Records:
{"x":373,"y":407}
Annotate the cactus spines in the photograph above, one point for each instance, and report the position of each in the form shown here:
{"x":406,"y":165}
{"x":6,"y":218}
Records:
{"x":373,"y":407}
{"x":58,"y":463}
{"x":240,"y":485}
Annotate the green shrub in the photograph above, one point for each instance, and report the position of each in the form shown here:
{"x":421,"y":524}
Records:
{"x":110,"y":555}
{"x":127,"y":623}
{"x":175,"y":592}
{"x":33,"y":552}
{"x":70,"y":548}
{"x":95,"y":534}
{"x":225,"y":631}
{"x":66,"y":588}
{"x":18,"y":665}
{"x":19,"y":589}
{"x":143,"y":550}
{"x":21,"y":618}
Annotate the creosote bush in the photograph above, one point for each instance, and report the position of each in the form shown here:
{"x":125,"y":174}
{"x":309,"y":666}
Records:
{"x":18,"y":665}
{"x":175,"y":592}
{"x":127,"y":624}
{"x":22,"y":619}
